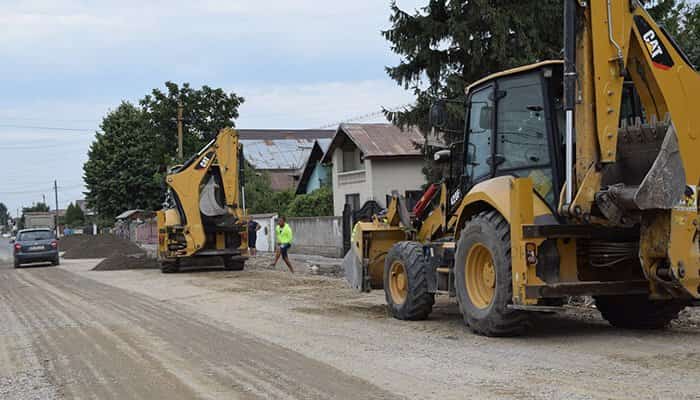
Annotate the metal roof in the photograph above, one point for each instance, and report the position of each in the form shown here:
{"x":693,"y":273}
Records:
{"x":286,"y":154}
{"x":378,"y":140}
{"x":281,"y":149}
{"x":277,"y":134}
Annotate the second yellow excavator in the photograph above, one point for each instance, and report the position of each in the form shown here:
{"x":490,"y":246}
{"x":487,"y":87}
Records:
{"x":204,"y":211}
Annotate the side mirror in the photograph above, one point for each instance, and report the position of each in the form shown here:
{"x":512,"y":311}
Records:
{"x":443,"y":156}
{"x":12,"y":241}
{"x":438,"y":114}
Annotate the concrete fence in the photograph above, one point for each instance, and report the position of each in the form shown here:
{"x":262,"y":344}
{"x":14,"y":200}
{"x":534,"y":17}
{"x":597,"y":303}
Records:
{"x":321,"y":236}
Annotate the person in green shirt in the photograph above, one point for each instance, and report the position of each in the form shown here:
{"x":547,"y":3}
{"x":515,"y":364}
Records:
{"x":284,"y":241}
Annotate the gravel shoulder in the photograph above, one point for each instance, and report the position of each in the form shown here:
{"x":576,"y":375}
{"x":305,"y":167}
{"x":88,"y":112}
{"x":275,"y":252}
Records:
{"x":575,"y":355}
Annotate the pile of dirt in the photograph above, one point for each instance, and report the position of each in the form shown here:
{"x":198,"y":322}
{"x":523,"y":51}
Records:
{"x":100,"y":246}
{"x":124,"y":262}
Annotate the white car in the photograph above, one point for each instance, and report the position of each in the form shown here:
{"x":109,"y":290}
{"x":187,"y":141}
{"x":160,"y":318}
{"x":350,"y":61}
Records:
{"x":6,"y":235}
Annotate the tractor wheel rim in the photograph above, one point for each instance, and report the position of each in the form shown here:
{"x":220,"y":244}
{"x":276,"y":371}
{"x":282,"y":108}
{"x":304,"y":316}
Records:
{"x":480,"y":276}
{"x":398,"y":282}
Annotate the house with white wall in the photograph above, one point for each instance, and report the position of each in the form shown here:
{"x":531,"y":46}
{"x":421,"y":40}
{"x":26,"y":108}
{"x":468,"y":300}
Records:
{"x":370,"y":161}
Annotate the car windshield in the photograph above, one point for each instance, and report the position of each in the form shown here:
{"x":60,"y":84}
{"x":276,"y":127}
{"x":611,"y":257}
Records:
{"x":35,"y":235}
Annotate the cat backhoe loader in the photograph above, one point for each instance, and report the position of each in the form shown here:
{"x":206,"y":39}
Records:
{"x":575,"y":178}
{"x":202,"y":214}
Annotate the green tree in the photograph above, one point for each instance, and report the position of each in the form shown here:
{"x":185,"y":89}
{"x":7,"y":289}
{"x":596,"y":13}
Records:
{"x":682,"y":20}
{"x":74,"y":216}
{"x":260,"y":198}
{"x":206,"y":111}
{"x":449,"y":44}
{"x":258,"y":190}
{"x":122,"y":168}
{"x":314,"y":204}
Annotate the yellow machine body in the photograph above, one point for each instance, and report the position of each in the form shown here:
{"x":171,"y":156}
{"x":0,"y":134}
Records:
{"x":208,"y":183}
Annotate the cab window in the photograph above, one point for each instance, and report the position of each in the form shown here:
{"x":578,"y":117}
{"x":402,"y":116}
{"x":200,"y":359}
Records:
{"x":522,"y":130}
{"x":522,"y":140}
{"x":479,"y":134}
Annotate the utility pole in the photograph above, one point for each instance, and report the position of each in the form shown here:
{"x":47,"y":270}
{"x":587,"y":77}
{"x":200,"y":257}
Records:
{"x":55,"y":192}
{"x":179,"y":130}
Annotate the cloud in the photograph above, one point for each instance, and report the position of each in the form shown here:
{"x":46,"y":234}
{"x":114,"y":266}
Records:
{"x":316,"y":105}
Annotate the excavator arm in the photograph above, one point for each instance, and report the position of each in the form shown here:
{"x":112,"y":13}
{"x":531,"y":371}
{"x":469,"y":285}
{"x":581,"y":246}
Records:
{"x":645,"y":171}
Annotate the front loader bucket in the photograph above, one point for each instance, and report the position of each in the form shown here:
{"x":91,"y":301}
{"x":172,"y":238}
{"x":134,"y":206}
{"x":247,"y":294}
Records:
{"x":355,"y":272}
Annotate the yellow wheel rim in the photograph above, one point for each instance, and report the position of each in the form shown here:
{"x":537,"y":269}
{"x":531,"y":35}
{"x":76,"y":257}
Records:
{"x":480,"y":276}
{"x":398,"y":282}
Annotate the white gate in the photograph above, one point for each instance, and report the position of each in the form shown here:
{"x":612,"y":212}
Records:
{"x":266,"y":234}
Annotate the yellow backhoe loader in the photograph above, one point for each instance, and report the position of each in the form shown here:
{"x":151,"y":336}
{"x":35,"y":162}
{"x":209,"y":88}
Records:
{"x":575,"y":177}
{"x":203,"y":215}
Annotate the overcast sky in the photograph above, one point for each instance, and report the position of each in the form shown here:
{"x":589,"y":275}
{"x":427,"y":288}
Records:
{"x":65,"y":63}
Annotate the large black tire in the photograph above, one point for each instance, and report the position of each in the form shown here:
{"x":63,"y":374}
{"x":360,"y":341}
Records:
{"x":490,"y":230}
{"x":56,"y":261}
{"x":17,"y":264}
{"x":233,"y":265}
{"x":170,"y":267}
{"x":418,"y":302}
{"x":638,"y":312}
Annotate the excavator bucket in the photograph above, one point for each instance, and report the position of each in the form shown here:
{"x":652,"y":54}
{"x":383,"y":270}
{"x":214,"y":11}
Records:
{"x":355,"y":273}
{"x":209,"y":203}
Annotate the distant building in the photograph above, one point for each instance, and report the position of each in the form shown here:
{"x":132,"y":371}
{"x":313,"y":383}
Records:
{"x":84,"y":207}
{"x":314,"y":174}
{"x":369,"y":161}
{"x":132,"y":215}
{"x":281,"y":153}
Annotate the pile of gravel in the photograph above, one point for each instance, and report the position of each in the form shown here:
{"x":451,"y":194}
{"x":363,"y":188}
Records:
{"x":100,"y":246}
{"x":124,"y":262}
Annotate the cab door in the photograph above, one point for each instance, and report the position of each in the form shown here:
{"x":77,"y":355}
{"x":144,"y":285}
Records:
{"x":523,"y":142}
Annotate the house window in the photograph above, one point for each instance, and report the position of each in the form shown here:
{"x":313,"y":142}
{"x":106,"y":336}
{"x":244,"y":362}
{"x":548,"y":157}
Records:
{"x":353,"y":200}
{"x":349,"y":160}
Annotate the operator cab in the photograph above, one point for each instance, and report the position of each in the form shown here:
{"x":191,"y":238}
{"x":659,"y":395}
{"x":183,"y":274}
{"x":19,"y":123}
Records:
{"x":513,"y":127}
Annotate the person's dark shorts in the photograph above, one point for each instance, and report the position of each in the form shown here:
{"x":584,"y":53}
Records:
{"x":284,"y":248}
{"x":252,"y":239}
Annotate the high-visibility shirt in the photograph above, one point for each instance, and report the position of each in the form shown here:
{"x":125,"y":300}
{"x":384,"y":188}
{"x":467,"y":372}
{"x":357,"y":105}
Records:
{"x":284,"y":234}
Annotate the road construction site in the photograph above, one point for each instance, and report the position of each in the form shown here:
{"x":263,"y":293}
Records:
{"x":71,"y":332}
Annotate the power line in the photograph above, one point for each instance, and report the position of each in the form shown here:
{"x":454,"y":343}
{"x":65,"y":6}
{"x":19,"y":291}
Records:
{"x":47,"y":128}
{"x":366,"y":116}
{"x":50,"y":119}
{"x":28,"y":191}
{"x":45,"y":146}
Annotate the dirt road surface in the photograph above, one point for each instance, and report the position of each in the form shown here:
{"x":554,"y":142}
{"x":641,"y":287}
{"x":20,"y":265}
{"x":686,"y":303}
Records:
{"x":72,"y":333}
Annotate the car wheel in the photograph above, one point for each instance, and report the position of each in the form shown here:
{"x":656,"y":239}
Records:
{"x":17,"y":264}
{"x":56,"y":261}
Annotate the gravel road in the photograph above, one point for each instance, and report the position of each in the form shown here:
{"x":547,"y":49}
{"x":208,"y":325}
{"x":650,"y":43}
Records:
{"x":67,"y":336}
{"x":69,"y":332}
